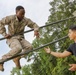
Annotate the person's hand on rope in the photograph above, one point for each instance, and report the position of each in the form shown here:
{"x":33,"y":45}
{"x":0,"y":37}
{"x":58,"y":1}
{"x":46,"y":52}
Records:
{"x":72,"y":67}
{"x":7,"y":36}
{"x":47,"y":50}
{"x":36,"y":33}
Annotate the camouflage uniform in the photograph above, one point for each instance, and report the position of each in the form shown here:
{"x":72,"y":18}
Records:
{"x":16,"y":43}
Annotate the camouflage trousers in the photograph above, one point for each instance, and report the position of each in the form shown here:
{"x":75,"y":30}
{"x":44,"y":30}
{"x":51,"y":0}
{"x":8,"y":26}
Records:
{"x":17,"y":46}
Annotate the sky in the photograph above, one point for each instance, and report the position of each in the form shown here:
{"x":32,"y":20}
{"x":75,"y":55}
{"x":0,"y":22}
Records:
{"x":36,"y":10}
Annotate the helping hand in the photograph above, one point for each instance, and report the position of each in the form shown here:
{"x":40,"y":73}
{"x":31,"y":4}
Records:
{"x":47,"y":50}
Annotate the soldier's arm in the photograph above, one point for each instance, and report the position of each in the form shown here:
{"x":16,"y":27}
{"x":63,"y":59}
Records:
{"x":3,"y":22}
{"x":32,"y":24}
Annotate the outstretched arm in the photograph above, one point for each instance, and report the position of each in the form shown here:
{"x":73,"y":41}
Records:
{"x":57,"y":54}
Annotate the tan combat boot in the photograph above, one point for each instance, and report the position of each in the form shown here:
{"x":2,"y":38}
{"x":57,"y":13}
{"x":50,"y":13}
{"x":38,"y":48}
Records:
{"x":17,"y":62}
{"x":1,"y":67}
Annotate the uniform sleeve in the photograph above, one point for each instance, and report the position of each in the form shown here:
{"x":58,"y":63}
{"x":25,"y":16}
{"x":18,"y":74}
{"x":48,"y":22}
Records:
{"x":3,"y":22}
{"x":32,"y":24}
{"x":69,"y":49}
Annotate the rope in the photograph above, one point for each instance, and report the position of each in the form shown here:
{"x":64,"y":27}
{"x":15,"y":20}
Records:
{"x":35,"y":49}
{"x":43,"y":26}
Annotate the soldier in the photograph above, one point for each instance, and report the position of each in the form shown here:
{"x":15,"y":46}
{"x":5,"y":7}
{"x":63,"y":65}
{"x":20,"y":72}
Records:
{"x":16,"y":24}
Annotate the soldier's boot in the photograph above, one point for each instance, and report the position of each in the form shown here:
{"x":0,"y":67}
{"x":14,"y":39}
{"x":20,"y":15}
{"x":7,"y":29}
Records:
{"x":17,"y":62}
{"x":1,"y":67}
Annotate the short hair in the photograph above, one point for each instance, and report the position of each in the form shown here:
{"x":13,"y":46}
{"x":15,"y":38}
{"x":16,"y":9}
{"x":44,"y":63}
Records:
{"x":73,"y":27}
{"x":19,"y":7}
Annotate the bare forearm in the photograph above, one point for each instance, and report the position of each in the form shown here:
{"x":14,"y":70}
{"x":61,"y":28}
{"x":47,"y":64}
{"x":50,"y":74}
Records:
{"x":58,"y":54}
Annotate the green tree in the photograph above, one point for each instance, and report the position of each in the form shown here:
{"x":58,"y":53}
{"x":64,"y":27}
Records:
{"x":61,"y":9}
{"x":25,"y":70}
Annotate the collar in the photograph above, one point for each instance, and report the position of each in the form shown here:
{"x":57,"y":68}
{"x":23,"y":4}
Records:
{"x":18,"y":20}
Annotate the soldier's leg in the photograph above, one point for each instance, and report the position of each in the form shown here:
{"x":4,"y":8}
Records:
{"x":17,"y":59}
{"x":16,"y":47}
{"x":26,"y":46}
{"x":17,"y":62}
{"x":1,"y":67}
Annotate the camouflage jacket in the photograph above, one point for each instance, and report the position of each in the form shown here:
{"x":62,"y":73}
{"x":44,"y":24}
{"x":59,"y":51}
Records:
{"x":14,"y":26}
